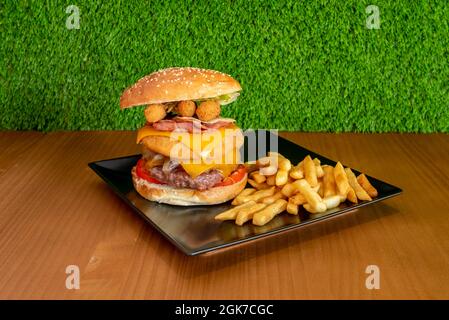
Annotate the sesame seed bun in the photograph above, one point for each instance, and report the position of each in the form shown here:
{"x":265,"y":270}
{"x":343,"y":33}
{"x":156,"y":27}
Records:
{"x":178,"y":84}
{"x":186,"y":197}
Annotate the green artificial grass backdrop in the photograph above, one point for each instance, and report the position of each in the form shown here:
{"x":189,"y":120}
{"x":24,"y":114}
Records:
{"x":303,"y":65}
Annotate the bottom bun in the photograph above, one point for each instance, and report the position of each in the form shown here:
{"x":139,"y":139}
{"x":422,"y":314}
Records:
{"x":183,"y":196}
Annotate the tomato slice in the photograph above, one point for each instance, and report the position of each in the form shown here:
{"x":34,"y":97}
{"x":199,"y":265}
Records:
{"x":234,"y":177}
{"x":143,"y":173}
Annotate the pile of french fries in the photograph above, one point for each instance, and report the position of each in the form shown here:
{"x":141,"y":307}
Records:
{"x":278,"y":186}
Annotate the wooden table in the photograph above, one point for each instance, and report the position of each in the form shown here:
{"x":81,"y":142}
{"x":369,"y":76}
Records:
{"x":55,"y":212}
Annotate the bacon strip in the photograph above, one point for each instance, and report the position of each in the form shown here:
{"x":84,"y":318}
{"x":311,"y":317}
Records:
{"x":189,"y":124}
{"x":216,"y":125}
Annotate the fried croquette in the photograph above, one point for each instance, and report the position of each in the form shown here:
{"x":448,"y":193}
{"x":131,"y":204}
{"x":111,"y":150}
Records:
{"x":155,"y":112}
{"x":186,"y":108}
{"x":208,"y":110}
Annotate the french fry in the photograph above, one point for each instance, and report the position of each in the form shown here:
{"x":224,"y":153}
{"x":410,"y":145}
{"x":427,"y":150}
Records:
{"x":289,"y":189}
{"x":359,"y":191}
{"x":269,"y":170}
{"x":265,"y":215}
{"x":273,"y":198}
{"x":341,"y":180}
{"x":320,"y":189}
{"x":311,"y":209}
{"x":247,"y":213}
{"x":364,"y":182}
{"x":256,"y":176}
{"x":292,"y":207}
{"x":319,"y":169}
{"x":297,"y":172}
{"x":278,"y":186}
{"x":298,"y":199}
{"x":258,"y":186}
{"x":284,"y":164}
{"x":243,"y":193}
{"x":231,"y":214}
{"x":313,"y":199}
{"x":332,"y":201}
{"x":256,"y":196}
{"x":271,"y":180}
{"x":281,"y":177}
{"x":246,"y":192}
{"x":268,"y":165}
{"x":329,"y":186}
{"x":351,"y":196}
{"x":310,"y":171}
{"x":264,"y":161}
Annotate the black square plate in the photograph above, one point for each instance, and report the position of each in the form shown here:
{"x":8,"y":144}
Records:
{"x":193,"y":229}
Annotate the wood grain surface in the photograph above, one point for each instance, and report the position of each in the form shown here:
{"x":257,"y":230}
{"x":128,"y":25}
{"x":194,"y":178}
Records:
{"x":55,"y":212}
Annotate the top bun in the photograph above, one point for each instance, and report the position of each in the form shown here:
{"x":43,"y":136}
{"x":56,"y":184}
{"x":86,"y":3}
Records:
{"x":178,"y":84}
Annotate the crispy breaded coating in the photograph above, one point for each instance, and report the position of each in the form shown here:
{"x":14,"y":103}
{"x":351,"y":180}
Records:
{"x":155,"y":112}
{"x":208,"y":110}
{"x":186,"y":108}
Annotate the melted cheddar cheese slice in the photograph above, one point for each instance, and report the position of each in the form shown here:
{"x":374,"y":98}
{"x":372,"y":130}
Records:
{"x":219,"y":149}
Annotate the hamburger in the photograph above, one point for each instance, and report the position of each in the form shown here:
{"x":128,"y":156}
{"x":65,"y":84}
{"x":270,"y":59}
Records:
{"x":190,"y":155}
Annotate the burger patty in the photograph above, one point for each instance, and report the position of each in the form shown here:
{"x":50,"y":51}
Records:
{"x":178,"y":178}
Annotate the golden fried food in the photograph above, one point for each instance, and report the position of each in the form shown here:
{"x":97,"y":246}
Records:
{"x":231,"y":214}
{"x":278,"y":186}
{"x":265,"y":161}
{"x":256,"y":196}
{"x":319,"y":169}
{"x":332,"y":201}
{"x":351,"y":196}
{"x":359,"y":191}
{"x":284,"y":164}
{"x":268,"y":165}
{"x":288,"y":189}
{"x":297,"y":172}
{"x":292,"y":207}
{"x":341,"y":180}
{"x":271,"y":180}
{"x":298,"y":199}
{"x":320,"y":190}
{"x":273,"y":198}
{"x":242,"y":194}
{"x":256,"y":176}
{"x":155,"y":112}
{"x":281,"y":177}
{"x":364,"y":182}
{"x":312,"y":197}
{"x":310,"y":171}
{"x":208,"y":110}
{"x":186,"y":108}
{"x":312,"y":209}
{"x":258,"y":186}
{"x":265,"y":215}
{"x":329,"y":186}
{"x":247,"y":213}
